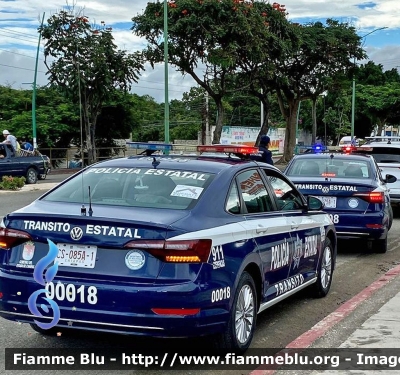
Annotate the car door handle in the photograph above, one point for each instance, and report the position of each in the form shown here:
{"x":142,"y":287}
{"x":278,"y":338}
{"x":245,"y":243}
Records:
{"x":261,"y":229}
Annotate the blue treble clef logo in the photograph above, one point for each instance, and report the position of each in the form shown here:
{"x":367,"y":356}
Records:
{"x":48,"y":277}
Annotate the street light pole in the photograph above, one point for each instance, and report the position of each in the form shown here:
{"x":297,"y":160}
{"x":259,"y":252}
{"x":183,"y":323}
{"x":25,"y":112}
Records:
{"x":166,"y":104}
{"x":353,"y":96}
{"x":34,"y":91}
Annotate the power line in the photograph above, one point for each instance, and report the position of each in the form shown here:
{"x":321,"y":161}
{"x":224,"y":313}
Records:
{"x":18,"y":32}
{"x":17,"y":67}
{"x":15,"y":37}
{"x":137,"y":86}
{"x":17,"y":53}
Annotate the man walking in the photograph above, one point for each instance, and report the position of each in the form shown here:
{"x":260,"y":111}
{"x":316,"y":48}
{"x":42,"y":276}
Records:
{"x":10,"y":139}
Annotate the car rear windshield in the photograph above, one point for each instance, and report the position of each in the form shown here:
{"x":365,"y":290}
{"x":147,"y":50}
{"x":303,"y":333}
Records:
{"x":134,"y":187}
{"x":385,"y":154}
{"x":336,"y":168}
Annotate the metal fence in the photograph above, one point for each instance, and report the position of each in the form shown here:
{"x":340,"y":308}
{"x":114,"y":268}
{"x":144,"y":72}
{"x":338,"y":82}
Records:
{"x":62,"y":158}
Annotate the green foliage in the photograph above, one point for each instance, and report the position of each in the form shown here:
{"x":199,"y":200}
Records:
{"x":12,"y":183}
{"x":84,"y":62}
{"x":379,"y":102}
{"x":336,"y":117}
{"x":222,"y":35}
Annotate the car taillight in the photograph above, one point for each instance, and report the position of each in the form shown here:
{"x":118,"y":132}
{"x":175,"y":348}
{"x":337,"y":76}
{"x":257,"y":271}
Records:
{"x":12,"y":237}
{"x":372,"y":196}
{"x":185,"y":251}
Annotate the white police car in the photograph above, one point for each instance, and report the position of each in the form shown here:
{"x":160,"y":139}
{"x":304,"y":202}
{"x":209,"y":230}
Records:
{"x":386,"y":152}
{"x":165,"y":246}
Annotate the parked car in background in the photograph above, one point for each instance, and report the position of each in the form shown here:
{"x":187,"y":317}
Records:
{"x":386,"y":151}
{"x":31,"y":165}
{"x":354,"y":192}
{"x":346,"y":141}
{"x":170,"y":246}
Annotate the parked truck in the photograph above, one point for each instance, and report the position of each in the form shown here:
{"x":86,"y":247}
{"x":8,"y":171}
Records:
{"x":31,"y":165}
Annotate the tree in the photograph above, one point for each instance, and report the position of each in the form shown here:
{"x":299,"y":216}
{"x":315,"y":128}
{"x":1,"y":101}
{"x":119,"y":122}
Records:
{"x":380,"y":102}
{"x":337,"y":116}
{"x":216,"y":34}
{"x":83,"y":60}
{"x":58,"y":117}
{"x":307,"y":71}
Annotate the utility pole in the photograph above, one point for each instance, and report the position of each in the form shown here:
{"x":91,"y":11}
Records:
{"x":166,"y":100}
{"x":208,"y":132}
{"x":34,"y":91}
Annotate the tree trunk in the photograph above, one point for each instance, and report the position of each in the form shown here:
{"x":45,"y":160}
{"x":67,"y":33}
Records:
{"x":265,"y":125}
{"x":219,"y":123}
{"x":381,"y":125}
{"x":92,"y":156}
{"x":290,"y":134}
{"x":314,"y":120}
{"x":203,"y":132}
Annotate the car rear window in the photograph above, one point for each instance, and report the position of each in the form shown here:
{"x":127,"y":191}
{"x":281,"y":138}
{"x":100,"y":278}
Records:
{"x":336,"y":168}
{"x":134,"y":187}
{"x":385,"y":154}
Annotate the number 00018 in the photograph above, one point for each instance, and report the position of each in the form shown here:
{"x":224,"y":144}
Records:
{"x":71,"y":293}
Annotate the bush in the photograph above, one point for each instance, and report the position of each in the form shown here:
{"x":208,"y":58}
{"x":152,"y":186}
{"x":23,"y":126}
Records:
{"x":12,"y":183}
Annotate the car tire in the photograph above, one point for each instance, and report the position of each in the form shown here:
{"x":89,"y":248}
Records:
{"x":325,"y":271}
{"x":242,"y":320}
{"x":379,"y":246}
{"x":390,"y":217}
{"x":31,"y":176}
{"x":46,"y":332}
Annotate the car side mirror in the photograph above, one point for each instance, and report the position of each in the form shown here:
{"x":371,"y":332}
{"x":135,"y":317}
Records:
{"x":389,"y":179}
{"x":314,"y":204}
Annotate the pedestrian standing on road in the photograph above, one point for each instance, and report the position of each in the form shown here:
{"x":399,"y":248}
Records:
{"x":10,"y":139}
{"x":265,"y":155}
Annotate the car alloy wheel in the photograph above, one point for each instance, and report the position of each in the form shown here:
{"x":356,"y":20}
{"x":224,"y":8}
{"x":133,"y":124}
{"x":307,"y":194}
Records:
{"x":240,"y":327}
{"x":244,"y":314}
{"x":326,"y":267}
{"x":325,"y":271}
{"x":31,"y":176}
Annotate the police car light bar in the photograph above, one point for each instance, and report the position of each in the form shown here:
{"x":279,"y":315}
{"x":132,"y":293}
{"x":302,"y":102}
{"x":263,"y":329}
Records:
{"x":349,"y":149}
{"x":150,"y":146}
{"x":229,"y":149}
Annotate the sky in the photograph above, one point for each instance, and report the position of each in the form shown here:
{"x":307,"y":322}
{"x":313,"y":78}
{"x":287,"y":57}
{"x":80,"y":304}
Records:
{"x":19,"y":20}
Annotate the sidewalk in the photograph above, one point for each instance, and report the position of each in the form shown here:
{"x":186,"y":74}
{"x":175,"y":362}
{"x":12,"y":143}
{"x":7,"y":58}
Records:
{"x":369,"y":320}
{"x":46,"y":184}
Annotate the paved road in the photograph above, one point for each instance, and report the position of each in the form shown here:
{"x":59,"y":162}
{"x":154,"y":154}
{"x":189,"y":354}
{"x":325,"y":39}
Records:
{"x":277,"y":326}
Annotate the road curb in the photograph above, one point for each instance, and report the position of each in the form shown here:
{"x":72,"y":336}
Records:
{"x":32,"y":187}
{"x":309,"y":337}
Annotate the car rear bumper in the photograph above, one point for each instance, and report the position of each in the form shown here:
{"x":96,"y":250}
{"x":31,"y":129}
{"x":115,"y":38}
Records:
{"x":126,"y":310}
{"x":363,"y":225}
{"x":394,"y":199}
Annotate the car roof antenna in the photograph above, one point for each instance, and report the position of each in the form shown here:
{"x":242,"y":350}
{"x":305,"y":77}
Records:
{"x":90,"y":203}
{"x":83,"y":207}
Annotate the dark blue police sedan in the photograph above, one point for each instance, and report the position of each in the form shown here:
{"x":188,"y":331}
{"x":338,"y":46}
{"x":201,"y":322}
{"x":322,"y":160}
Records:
{"x":354,"y":192}
{"x":167,"y":246}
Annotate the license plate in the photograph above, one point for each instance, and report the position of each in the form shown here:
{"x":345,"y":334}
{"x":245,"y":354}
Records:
{"x":330,"y":202}
{"x":71,"y":255}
